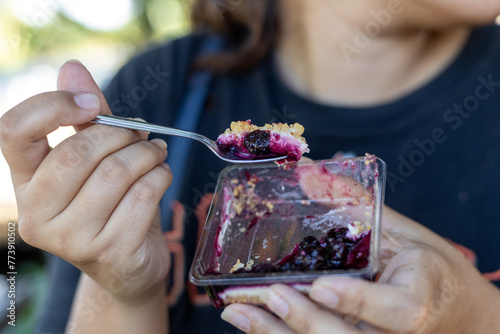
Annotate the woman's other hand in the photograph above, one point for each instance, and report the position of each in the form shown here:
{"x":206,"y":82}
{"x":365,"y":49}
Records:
{"x":427,"y":286}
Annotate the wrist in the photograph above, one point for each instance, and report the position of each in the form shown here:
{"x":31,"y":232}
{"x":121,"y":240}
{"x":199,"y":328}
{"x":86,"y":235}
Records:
{"x":136,"y":286}
{"x":147,"y":296}
{"x":147,"y":311}
{"x":96,"y":309}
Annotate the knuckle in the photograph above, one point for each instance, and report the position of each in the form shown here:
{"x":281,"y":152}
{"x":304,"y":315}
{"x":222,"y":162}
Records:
{"x":302,"y":322}
{"x":148,"y":148}
{"x":70,"y":245}
{"x":416,"y":310}
{"x":153,"y":149}
{"x":81,"y":256}
{"x":74,"y":152}
{"x":305,"y":325}
{"x":62,"y":243}
{"x":358,"y":306}
{"x":9,"y":127}
{"x":144,"y":191}
{"x":56,"y":100}
{"x":27,"y":231}
{"x":258,"y":323}
{"x":418,"y":315}
{"x":114,"y":169}
{"x":165,"y":176}
{"x":435,"y":262}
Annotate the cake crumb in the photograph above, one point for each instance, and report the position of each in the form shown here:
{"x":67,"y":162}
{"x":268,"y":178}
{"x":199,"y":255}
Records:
{"x":249,"y":264}
{"x":241,"y":127}
{"x":357,"y":228}
{"x":238,"y":265}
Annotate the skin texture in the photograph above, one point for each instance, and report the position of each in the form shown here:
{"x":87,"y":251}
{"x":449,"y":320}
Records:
{"x":92,"y":200}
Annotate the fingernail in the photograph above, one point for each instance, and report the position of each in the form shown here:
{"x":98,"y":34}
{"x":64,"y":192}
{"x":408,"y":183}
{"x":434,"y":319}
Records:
{"x":277,"y":304}
{"x":165,"y":165}
{"x":87,"y":101}
{"x":236,"y":319}
{"x":74,"y":61}
{"x":324,"y":296}
{"x":160,"y":142}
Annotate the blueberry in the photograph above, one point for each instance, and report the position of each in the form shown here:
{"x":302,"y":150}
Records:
{"x":338,"y":251}
{"x":309,"y":243}
{"x":257,"y":142}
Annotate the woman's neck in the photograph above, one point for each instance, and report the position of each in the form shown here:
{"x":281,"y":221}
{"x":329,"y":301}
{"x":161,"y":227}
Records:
{"x":333,"y":56}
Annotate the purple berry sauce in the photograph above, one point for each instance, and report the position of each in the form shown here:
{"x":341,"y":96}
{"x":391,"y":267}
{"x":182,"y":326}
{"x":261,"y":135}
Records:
{"x":333,"y":251}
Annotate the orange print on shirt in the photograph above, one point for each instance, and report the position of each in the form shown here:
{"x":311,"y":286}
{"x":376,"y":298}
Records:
{"x":175,"y":245}
{"x":174,"y":242}
{"x":201,"y":213}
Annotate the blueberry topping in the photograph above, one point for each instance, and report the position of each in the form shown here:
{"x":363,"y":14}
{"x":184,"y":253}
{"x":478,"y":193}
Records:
{"x":257,"y":142}
{"x":333,"y":251}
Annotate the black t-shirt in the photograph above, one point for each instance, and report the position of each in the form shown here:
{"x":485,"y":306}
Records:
{"x":440,"y":143}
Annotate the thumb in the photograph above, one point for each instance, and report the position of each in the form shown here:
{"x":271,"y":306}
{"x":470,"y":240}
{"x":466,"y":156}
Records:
{"x":74,"y":77}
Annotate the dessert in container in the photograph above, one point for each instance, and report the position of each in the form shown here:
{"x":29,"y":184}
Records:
{"x":270,"y":225}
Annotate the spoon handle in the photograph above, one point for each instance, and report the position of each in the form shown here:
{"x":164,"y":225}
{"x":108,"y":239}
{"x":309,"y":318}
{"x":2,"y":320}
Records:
{"x":127,"y":123}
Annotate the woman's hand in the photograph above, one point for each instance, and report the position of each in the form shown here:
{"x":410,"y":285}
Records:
{"x":93,"y":199}
{"x":426,"y":287}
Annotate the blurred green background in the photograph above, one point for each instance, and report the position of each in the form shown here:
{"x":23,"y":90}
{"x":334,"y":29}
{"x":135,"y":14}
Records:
{"x":36,"y":38}
{"x":32,"y":29}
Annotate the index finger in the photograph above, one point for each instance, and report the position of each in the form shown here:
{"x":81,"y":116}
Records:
{"x":24,"y":128}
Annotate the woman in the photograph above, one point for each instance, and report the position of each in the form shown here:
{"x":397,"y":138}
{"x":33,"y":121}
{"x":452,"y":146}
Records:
{"x":405,"y":80}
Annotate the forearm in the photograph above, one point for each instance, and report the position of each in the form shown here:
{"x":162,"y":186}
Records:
{"x":95,"y":310}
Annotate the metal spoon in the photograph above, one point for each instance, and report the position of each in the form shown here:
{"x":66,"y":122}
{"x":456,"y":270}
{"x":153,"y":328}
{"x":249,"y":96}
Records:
{"x":165,"y":130}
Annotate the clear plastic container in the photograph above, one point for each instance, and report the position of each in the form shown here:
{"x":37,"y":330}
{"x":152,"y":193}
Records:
{"x":261,"y":213}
